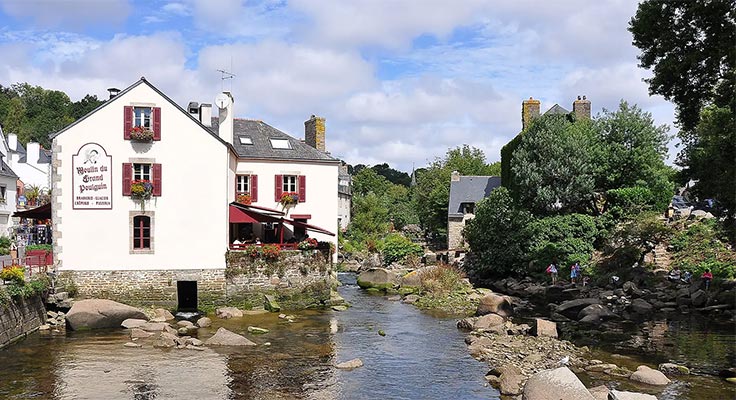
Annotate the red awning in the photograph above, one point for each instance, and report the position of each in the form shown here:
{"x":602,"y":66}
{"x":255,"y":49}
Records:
{"x":309,"y":227}
{"x":42,"y":212}
{"x":238,"y":216}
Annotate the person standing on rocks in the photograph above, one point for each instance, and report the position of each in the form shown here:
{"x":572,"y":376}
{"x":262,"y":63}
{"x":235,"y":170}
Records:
{"x":707,"y":277}
{"x":552,"y":271}
{"x":574,"y":272}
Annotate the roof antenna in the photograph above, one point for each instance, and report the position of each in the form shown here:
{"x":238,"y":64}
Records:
{"x":224,"y":75}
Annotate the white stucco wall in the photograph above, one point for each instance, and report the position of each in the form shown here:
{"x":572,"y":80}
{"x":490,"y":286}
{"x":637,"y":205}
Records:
{"x":189,"y":218}
{"x":8,"y":207}
{"x":32,"y":173}
{"x":321,"y":193}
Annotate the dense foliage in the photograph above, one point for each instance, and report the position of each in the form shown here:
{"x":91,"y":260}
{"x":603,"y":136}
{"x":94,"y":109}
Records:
{"x":33,"y":112}
{"x":702,"y":246}
{"x":397,"y":248}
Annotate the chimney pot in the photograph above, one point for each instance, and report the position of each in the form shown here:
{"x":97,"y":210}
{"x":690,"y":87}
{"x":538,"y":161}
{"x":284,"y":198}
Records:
{"x":529,"y":110}
{"x":205,"y":114}
{"x":113,"y":92}
{"x":314,"y":132}
{"x":581,"y":108}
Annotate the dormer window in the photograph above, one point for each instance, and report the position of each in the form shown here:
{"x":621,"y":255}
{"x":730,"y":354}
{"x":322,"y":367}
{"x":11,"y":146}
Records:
{"x":468,"y":208}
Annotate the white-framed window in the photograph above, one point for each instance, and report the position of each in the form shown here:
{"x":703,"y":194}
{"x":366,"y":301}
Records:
{"x":142,"y":117}
{"x":242,"y":184}
{"x":289,"y":183}
{"x":245,"y":140}
{"x":280,"y":143}
{"x":142,"y":172}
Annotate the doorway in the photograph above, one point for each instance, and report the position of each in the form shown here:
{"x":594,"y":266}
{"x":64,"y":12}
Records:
{"x":186,"y":294}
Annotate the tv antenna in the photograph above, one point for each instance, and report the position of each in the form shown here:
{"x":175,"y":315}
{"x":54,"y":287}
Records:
{"x":225,"y":75}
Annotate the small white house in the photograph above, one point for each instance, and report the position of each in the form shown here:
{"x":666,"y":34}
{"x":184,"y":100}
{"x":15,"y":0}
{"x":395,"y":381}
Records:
{"x":144,"y":194}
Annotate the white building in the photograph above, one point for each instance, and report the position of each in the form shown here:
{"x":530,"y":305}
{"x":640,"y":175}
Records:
{"x":8,"y":180}
{"x":32,"y":165}
{"x":105,"y":236}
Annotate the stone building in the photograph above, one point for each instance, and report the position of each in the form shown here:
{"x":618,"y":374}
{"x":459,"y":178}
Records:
{"x":465,"y":192}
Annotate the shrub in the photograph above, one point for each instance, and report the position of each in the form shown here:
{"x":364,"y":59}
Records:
{"x":13,"y":274}
{"x":703,"y":246}
{"x":630,"y":199}
{"x":566,"y":238}
{"x":271,"y":252}
{"x":442,"y":278}
{"x":254,"y":251}
{"x":396,"y":248}
{"x":46,"y":247}
{"x":4,"y":241}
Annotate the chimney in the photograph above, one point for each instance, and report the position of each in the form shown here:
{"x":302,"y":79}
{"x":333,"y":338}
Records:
{"x":455,"y":176}
{"x":33,"y":153}
{"x":205,"y":114}
{"x":529,"y":111}
{"x":193,"y":109}
{"x":314,"y":132}
{"x":113,"y":92}
{"x":581,"y":108}
{"x":12,"y":141}
{"x":226,"y":116}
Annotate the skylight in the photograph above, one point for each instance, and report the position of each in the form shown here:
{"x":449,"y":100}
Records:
{"x":246,"y":140}
{"x":280,"y":143}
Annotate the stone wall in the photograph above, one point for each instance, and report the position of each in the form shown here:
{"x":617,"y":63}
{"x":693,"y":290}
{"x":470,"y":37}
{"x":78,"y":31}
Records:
{"x":19,"y":318}
{"x":296,"y":277}
{"x":455,"y":232}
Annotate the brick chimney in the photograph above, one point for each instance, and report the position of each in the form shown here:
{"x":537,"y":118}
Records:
{"x":529,"y":111}
{"x":314,"y":132}
{"x":455,"y":176}
{"x":581,"y":108}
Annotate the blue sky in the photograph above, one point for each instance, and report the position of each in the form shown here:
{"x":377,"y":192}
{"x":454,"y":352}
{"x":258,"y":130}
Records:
{"x":398,"y":81}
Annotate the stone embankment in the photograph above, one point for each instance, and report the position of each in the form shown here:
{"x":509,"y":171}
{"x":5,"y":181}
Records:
{"x":19,"y":317}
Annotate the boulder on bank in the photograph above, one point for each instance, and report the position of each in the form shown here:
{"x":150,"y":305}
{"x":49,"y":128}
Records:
{"x":555,"y":384}
{"x":673,"y":369}
{"x":100,"y":313}
{"x":204,"y":322}
{"x":228,"y":312}
{"x":649,"y":376}
{"x":163,"y":314}
{"x":641,"y":307}
{"x":131,"y":323}
{"x":488,"y":321}
{"x":572,"y":308}
{"x":412,"y":279}
{"x":377,"y":278}
{"x":618,"y":395}
{"x":496,"y":304}
{"x":595,"y":313}
{"x":510,"y":380}
{"x":542,"y":327}
{"x":224,"y":337}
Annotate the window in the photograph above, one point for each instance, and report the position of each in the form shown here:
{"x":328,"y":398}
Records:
{"x":280,"y":143}
{"x":246,"y":140}
{"x":289,"y":184}
{"x":142,"y":117}
{"x":2,"y":194}
{"x":242,"y":184}
{"x":141,"y":232}
{"x":142,"y":172}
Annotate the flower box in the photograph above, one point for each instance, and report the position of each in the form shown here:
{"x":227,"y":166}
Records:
{"x":141,"y":189}
{"x":244,"y":198}
{"x":141,"y":134}
{"x":289,"y":199}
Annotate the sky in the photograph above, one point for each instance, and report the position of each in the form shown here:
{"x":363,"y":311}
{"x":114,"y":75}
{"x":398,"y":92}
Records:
{"x":398,"y":81}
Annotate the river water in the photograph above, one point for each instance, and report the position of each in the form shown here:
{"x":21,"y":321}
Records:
{"x":420,"y":357}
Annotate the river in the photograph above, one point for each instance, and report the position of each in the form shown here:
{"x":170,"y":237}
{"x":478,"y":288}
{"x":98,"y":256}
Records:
{"x":420,"y":357}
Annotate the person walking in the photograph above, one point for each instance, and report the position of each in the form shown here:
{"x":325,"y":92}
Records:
{"x":552,"y":271}
{"x":707,"y":277}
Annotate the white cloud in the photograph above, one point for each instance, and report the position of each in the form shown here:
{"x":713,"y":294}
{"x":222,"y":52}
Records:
{"x":70,"y":14}
{"x":180,"y":9}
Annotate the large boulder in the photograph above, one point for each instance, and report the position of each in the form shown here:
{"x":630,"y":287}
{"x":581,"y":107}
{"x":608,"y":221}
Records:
{"x":163,"y":314}
{"x":631,"y":289}
{"x":542,"y":327}
{"x":572,"y":308}
{"x":496,"y":304}
{"x":555,"y":384}
{"x":412,"y":279}
{"x":133,"y":323}
{"x":378,"y":278}
{"x":488,"y":321}
{"x":510,"y":380}
{"x":641,"y":307}
{"x":228,"y":312}
{"x":673,"y":369}
{"x":599,"y":392}
{"x":100,"y":313}
{"x":596,"y":311}
{"x":698,"y":298}
{"x":224,"y":337}
{"x":649,"y":376}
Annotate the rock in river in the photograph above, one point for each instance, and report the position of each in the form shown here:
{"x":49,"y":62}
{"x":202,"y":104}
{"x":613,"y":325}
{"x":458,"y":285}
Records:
{"x":378,"y":278}
{"x":224,"y":337}
{"x":99,"y":313}
{"x":352,"y":364}
{"x":496,"y":304}
{"x":555,"y":384}
{"x":618,"y":395}
{"x":649,"y":376}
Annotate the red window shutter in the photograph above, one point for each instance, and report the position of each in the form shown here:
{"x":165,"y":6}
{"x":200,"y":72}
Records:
{"x":156,"y":179}
{"x":278,"y":187}
{"x":302,"y":188}
{"x":156,"y":123}
{"x":127,"y":122}
{"x":127,"y":178}
{"x":254,"y":188}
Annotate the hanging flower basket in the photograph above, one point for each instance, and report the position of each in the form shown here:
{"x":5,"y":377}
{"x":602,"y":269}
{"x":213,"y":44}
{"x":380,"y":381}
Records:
{"x":289,"y":199}
{"x":141,"y":134}
{"x":244,"y":198}
{"x":141,"y":189}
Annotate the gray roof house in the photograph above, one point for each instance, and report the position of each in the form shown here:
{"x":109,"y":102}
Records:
{"x":465,"y":191}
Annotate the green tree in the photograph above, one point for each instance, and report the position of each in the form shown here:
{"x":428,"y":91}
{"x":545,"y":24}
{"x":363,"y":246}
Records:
{"x":369,"y":218}
{"x":82,"y":107}
{"x":552,"y":167}
{"x":689,"y":45}
{"x":499,"y":236}
{"x":368,"y":181}
{"x":432,"y":193}
{"x":394,"y":176}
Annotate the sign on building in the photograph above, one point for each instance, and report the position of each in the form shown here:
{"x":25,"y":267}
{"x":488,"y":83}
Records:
{"x":92,"y":178}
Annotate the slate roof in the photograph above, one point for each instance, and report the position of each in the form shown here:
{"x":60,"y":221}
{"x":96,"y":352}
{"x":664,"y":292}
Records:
{"x":470,"y":189}
{"x":44,"y":156}
{"x":259,"y":133}
{"x":7,"y":171}
{"x":556,"y":109}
